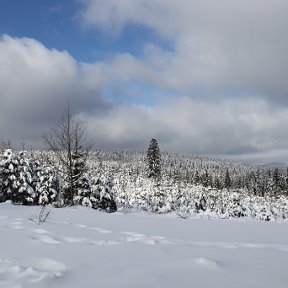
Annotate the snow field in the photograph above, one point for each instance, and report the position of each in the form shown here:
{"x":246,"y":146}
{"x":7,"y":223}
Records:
{"x":81,"y":247}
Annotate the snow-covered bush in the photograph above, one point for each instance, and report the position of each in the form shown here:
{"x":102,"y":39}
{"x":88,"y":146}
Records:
{"x":25,"y":181}
{"x":46,"y":184}
{"x":16,"y":175}
{"x":98,"y":193}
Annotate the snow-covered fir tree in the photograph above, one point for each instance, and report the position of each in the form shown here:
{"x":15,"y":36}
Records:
{"x":154,"y":160}
{"x":103,"y":191}
{"x":16,"y":174}
{"x":46,"y":183}
{"x":98,"y":193}
{"x":74,"y":176}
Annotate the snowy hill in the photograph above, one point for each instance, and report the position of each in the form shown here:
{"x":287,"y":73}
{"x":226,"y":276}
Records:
{"x":82,"y":247}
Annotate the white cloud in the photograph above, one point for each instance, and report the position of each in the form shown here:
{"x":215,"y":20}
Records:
{"x":241,"y":129}
{"x":228,"y":61}
{"x":35,"y":85}
{"x":36,"y":81}
{"x":221,"y":45}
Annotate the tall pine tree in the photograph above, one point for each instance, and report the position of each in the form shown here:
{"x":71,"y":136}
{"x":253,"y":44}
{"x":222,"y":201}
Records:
{"x":154,"y":160}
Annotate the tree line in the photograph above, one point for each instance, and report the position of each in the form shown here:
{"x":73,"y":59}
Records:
{"x":62,"y":175}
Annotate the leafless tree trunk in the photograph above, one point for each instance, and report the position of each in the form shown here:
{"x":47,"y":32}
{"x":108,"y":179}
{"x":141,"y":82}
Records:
{"x":68,"y":142}
{"x":5,"y":145}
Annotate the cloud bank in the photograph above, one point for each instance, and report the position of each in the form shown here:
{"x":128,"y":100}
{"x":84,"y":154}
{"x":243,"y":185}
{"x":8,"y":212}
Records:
{"x":219,"y":87}
{"x":36,"y":82}
{"x":219,"y":47}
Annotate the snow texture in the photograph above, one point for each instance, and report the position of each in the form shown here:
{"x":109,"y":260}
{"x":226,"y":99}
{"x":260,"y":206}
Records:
{"x":82,"y":247}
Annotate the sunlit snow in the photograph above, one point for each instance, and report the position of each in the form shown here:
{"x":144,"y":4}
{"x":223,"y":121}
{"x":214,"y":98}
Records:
{"x":81,"y":247}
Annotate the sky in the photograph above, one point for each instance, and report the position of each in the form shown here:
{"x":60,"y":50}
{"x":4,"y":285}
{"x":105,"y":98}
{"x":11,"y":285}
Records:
{"x":203,"y":77}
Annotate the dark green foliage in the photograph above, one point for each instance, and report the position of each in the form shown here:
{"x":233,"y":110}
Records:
{"x":17,"y":181}
{"x":102,"y":191}
{"x":217,"y":183}
{"x":206,"y":179}
{"x":154,"y":160}
{"x":76,"y":179}
{"x":97,"y":194}
{"x":45,"y":183}
{"x":196,"y":177}
{"x":227,"y":180}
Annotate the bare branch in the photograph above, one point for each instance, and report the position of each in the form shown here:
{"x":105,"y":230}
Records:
{"x":67,"y":140}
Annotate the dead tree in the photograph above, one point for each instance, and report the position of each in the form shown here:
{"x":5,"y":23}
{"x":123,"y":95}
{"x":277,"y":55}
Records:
{"x":68,"y":142}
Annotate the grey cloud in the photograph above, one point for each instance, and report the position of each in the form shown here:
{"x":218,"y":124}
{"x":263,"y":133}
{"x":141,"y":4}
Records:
{"x":35,"y":84}
{"x":235,"y":126}
{"x":229,"y":64}
{"x":225,"y":46}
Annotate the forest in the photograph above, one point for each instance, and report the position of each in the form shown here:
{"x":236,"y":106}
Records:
{"x":149,"y":180}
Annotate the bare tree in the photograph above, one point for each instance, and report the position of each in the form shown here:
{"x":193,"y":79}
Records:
{"x":68,"y":142}
{"x":5,"y":145}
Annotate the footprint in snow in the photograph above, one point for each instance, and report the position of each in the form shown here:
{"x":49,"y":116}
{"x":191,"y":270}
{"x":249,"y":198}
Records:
{"x":81,"y":225}
{"x":100,"y":230}
{"x":40,"y":231}
{"x":144,"y":239}
{"x":13,"y":225}
{"x":74,"y":239}
{"x":18,"y":219}
{"x":105,"y":242}
{"x":17,"y":227}
{"x":206,"y":263}
{"x":46,"y":239}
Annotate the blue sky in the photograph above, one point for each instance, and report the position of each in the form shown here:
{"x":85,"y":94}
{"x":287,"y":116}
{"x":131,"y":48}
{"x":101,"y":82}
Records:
{"x":201,"y":77}
{"x":57,"y":24}
{"x":53,"y":24}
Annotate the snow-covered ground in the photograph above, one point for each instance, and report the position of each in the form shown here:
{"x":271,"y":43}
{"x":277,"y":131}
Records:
{"x":81,"y":247}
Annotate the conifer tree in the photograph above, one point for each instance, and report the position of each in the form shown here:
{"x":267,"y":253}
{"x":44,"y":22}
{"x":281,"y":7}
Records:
{"x":97,"y":193}
{"x":45,"y":183}
{"x":217,"y":183}
{"x":16,"y":175}
{"x":196,"y":177}
{"x":26,"y":194}
{"x":227,"y":180}
{"x":154,"y":160}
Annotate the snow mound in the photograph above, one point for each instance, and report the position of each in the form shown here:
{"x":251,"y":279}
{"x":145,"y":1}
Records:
{"x":27,"y":273}
{"x":47,"y":264}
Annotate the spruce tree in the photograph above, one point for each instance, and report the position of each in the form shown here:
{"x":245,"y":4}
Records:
{"x":97,"y":193}
{"x":103,"y":194}
{"x":227,"y":180}
{"x":2,"y":198}
{"x":154,"y":160}
{"x":45,"y":183}
{"x":196,"y":177}
{"x":26,"y":194}
{"x":16,"y":175}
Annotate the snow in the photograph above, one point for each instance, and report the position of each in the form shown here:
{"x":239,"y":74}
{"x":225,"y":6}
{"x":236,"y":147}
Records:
{"x":82,"y":247}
